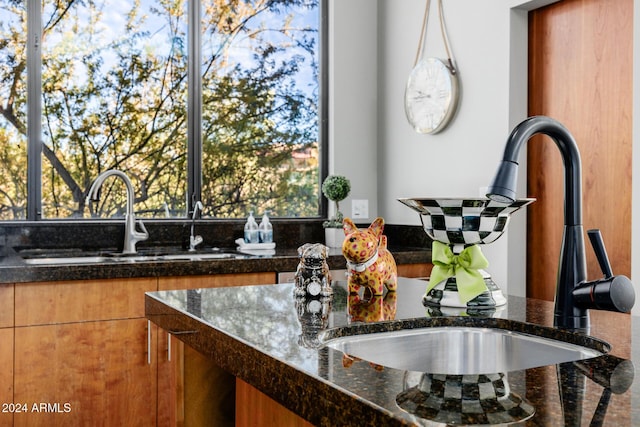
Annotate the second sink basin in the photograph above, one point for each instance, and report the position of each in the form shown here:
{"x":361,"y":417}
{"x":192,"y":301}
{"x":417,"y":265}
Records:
{"x":118,"y":258}
{"x":462,"y":350}
{"x":196,"y":256}
{"x":67,"y":260}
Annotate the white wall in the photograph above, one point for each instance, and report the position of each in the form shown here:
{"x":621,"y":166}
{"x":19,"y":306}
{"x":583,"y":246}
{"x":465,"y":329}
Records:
{"x":461,"y":160}
{"x":488,"y":39}
{"x":353,"y":98}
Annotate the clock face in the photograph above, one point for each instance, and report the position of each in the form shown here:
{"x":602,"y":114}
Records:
{"x":431,"y":96}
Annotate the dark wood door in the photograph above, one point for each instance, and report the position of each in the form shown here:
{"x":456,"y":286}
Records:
{"x":580,"y":73}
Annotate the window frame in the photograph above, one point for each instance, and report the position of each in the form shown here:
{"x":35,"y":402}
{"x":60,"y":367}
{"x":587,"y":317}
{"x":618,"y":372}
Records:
{"x":194,"y":104}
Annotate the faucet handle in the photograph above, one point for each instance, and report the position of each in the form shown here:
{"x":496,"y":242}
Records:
{"x":601,"y":252}
{"x":613,"y":293}
{"x":141,"y":235}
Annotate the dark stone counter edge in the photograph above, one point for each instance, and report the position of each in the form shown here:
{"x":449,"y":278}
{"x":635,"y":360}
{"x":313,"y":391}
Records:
{"x":14,"y":270}
{"x":308,"y":396}
{"x":311,"y":397}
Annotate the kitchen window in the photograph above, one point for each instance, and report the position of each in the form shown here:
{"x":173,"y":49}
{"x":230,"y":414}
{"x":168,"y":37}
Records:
{"x":217,"y":101}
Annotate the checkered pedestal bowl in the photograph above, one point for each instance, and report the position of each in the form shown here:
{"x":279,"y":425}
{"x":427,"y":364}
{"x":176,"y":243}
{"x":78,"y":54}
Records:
{"x":484,"y":399}
{"x":460,"y":223}
{"x":464,"y":222}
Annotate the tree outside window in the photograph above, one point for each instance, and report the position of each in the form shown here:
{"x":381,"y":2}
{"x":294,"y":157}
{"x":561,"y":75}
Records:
{"x":115,"y":95}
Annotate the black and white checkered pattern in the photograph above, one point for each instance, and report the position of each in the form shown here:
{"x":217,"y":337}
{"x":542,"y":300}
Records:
{"x":445,"y":294}
{"x":464,"y":221}
{"x":465,"y":399}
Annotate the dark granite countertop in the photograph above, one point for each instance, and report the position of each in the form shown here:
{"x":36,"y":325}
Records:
{"x":13,"y":268}
{"x":266,"y":337}
{"x":409,"y":245}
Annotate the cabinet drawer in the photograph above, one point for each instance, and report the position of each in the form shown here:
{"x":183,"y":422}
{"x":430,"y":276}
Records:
{"x":215,"y":281}
{"x":81,"y":301}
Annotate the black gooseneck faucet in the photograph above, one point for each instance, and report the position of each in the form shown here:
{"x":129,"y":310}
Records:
{"x":574,"y":294}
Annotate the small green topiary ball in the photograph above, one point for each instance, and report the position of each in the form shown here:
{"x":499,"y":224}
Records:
{"x":336,"y":187}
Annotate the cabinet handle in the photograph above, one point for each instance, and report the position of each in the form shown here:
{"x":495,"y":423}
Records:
{"x":149,"y":342}
{"x":169,"y":340}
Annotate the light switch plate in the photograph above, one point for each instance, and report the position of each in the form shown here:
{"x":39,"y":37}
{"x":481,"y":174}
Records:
{"x":359,"y":209}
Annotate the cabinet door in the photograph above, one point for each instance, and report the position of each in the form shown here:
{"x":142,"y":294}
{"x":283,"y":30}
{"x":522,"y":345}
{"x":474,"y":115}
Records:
{"x":6,"y":354}
{"x":215,"y":281}
{"x":170,"y":380}
{"x":91,"y":373}
{"x":6,"y":305}
{"x":191,"y":388}
{"x":6,"y":376}
{"x":256,"y":409}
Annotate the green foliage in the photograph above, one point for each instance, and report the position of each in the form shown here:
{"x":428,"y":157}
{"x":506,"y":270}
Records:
{"x":116,"y":97}
{"x":335,"y":188}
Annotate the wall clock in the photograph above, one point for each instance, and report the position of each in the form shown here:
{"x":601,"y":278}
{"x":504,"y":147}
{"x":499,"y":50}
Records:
{"x":433,"y":91}
{"x":431,"y":96}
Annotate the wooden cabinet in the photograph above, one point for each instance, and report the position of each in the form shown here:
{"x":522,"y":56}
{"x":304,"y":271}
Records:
{"x":193,"y":390}
{"x":6,"y":353}
{"x":6,"y":305}
{"x":215,"y":281}
{"x":44,"y":303}
{"x":6,"y":376}
{"x":86,"y":373}
{"x":415,"y":270}
{"x":170,"y":380}
{"x":85,"y":354}
{"x":256,"y":409}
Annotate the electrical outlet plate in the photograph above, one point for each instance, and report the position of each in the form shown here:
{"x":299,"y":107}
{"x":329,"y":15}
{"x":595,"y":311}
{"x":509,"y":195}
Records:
{"x":359,"y":209}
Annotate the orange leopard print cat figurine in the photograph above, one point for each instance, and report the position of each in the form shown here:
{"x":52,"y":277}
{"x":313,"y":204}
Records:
{"x":369,"y":262}
{"x":372,"y":308}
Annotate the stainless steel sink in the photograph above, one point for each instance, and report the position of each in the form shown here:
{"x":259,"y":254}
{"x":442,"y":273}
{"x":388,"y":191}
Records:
{"x":460,"y":350}
{"x":110,"y":259}
{"x":68,"y":260}
{"x":196,"y":256}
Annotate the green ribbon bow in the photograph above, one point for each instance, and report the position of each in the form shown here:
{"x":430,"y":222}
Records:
{"x":464,"y":267}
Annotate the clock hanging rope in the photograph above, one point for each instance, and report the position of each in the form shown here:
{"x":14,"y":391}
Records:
{"x":432,"y":93}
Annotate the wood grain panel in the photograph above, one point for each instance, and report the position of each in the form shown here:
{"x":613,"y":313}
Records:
{"x":216,"y":281}
{"x":170,"y":380}
{"x":580,"y":73}
{"x":99,"y":369}
{"x":6,"y":373}
{"x":414,"y":270}
{"x":209,"y":392}
{"x":6,"y":305}
{"x":81,"y":301}
{"x":193,"y":390}
{"x":256,"y":409}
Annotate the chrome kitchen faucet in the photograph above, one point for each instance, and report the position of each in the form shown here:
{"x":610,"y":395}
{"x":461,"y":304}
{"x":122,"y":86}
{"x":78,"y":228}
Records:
{"x":195,"y":240}
{"x":131,"y":235}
